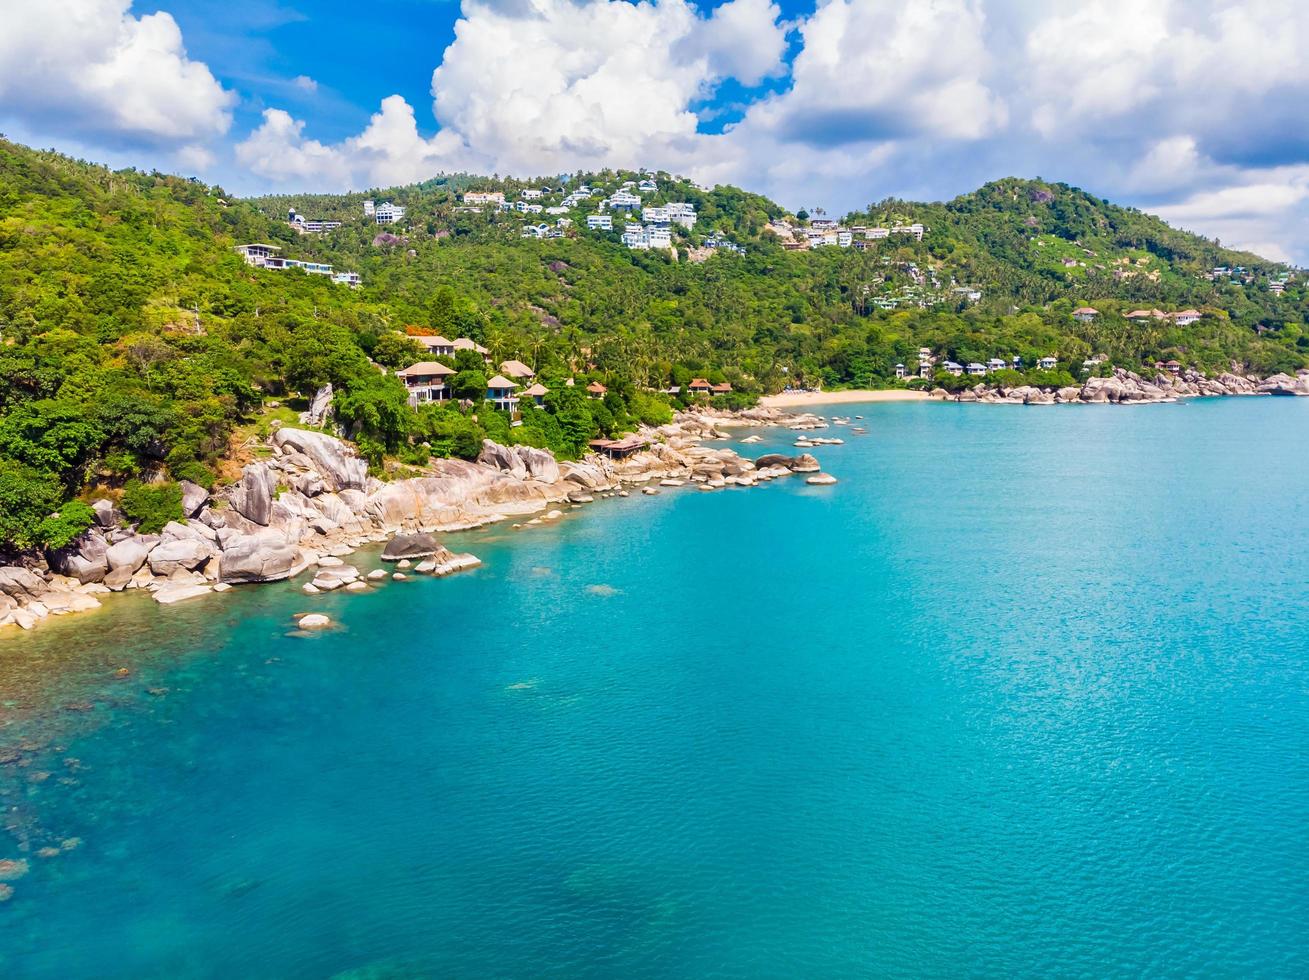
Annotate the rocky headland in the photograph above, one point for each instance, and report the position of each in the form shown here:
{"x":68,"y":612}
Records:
{"x":310,"y":503}
{"x":1125,"y":387}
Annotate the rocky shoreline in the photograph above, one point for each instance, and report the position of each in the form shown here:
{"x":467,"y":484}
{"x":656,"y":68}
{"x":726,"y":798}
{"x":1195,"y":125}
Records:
{"x":1127,"y":387}
{"x":311,"y":503}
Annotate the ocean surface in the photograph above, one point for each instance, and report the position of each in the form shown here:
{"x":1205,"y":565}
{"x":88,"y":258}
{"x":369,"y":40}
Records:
{"x":1026,"y":694}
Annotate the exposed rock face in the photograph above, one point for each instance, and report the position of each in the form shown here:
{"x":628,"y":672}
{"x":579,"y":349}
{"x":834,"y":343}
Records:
{"x":252,"y":497}
{"x":84,"y":559}
{"x":339,"y":469}
{"x":106,"y":515}
{"x":1284,"y":384}
{"x":411,"y":546}
{"x":319,"y":406}
{"x":540,"y":464}
{"x":194,"y":497}
{"x":258,"y":558}
{"x":502,"y":458}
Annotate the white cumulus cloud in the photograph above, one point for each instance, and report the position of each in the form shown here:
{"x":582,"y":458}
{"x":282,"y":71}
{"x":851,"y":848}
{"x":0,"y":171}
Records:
{"x":92,"y":68}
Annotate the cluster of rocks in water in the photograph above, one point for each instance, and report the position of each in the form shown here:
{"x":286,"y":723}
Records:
{"x":311,"y":503}
{"x":1128,"y":387}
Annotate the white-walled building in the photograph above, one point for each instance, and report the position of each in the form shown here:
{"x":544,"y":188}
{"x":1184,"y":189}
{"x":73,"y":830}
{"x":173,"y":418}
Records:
{"x":388,"y":213}
{"x":600,"y":222}
{"x":484,"y":197}
{"x":368,"y":208}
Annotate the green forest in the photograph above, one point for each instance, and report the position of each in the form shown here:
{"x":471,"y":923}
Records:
{"x":139,"y":349}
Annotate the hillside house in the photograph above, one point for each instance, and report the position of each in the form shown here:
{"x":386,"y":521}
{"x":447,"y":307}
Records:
{"x":500,"y":393}
{"x":426,"y":382}
{"x":437,"y":346}
{"x":537,"y":393}
{"x":484,"y":197}
{"x":699,"y":386}
{"x":388,"y":213}
{"x":596,"y":390}
{"x":1085,"y":314}
{"x":1048,"y":363}
{"x":600,"y":222}
{"x":516,"y":370}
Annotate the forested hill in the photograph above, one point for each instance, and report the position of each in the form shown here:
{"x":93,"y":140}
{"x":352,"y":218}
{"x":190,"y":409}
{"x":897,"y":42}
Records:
{"x":138,"y":346}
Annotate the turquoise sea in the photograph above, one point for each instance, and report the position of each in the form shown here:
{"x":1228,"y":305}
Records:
{"x":1026,"y":694}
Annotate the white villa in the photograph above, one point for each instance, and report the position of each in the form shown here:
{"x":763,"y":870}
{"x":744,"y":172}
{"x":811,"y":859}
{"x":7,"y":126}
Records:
{"x":484,"y":197}
{"x":600,"y":222}
{"x":313,"y":225}
{"x":263,"y":256}
{"x":388,"y":213}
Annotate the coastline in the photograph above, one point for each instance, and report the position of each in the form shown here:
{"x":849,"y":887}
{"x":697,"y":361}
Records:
{"x":803,"y":399}
{"x":310,"y":504}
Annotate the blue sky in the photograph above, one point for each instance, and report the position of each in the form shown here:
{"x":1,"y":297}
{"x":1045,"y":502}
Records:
{"x":1193,"y":109}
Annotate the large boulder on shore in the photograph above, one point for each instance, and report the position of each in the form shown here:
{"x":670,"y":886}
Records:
{"x":541,"y":465}
{"x":411,"y":546}
{"x":129,"y":554}
{"x":188,"y":554}
{"x":502,"y":458}
{"x":258,"y":558}
{"x":194,"y":497}
{"x":21,"y":583}
{"x":106,"y":514}
{"x":340,"y":468}
{"x":804,"y":463}
{"x":252,"y":497}
{"x":83,"y":559}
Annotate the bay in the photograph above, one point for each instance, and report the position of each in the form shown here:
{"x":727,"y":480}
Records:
{"x":1024,"y":694}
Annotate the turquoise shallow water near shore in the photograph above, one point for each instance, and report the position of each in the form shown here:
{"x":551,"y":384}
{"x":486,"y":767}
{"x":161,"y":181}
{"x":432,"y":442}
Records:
{"x":1025,"y":694}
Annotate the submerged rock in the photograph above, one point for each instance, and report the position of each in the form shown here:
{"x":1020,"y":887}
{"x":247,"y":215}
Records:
{"x":821,"y":480}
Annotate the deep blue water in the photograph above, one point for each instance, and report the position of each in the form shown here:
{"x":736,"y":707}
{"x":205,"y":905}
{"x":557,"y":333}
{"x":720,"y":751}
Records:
{"x":1024,"y":695}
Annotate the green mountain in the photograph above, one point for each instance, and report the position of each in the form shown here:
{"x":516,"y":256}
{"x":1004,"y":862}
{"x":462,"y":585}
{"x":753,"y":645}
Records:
{"x":138,"y":346}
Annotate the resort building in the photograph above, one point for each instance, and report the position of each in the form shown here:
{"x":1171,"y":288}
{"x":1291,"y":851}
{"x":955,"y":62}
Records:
{"x":263,"y":256}
{"x":954,"y":368}
{"x":600,"y":222}
{"x":463,"y":343}
{"x":437,"y":345}
{"x":900,"y":371}
{"x":500,"y":393}
{"x":619,"y":448}
{"x":624,"y":201}
{"x":699,"y":386}
{"x":537,"y":393}
{"x":596,"y":390}
{"x":647,"y":186}
{"x":425,"y":381}
{"x":312,"y":225}
{"x":1048,"y":363}
{"x":722,"y":389}
{"x":257,"y":253}
{"x":975,"y":369}
{"x":997,"y":364}
{"x":529,"y":194}
{"x":388,"y":213}
{"x":1085,"y":314}
{"x":369,"y":209}
{"x":484,"y":197}
{"x":1186,"y":317}
{"x":516,"y":370}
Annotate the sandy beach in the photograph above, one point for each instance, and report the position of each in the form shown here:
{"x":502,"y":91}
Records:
{"x":803,"y":399}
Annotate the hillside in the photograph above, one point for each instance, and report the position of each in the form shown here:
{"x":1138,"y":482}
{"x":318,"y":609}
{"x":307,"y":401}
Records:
{"x":138,"y":346}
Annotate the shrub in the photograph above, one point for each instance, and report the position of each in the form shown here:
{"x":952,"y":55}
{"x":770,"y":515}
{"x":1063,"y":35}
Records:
{"x":152,"y":505}
{"x":196,"y":472}
{"x":27,"y":495}
{"x":60,"y":528}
